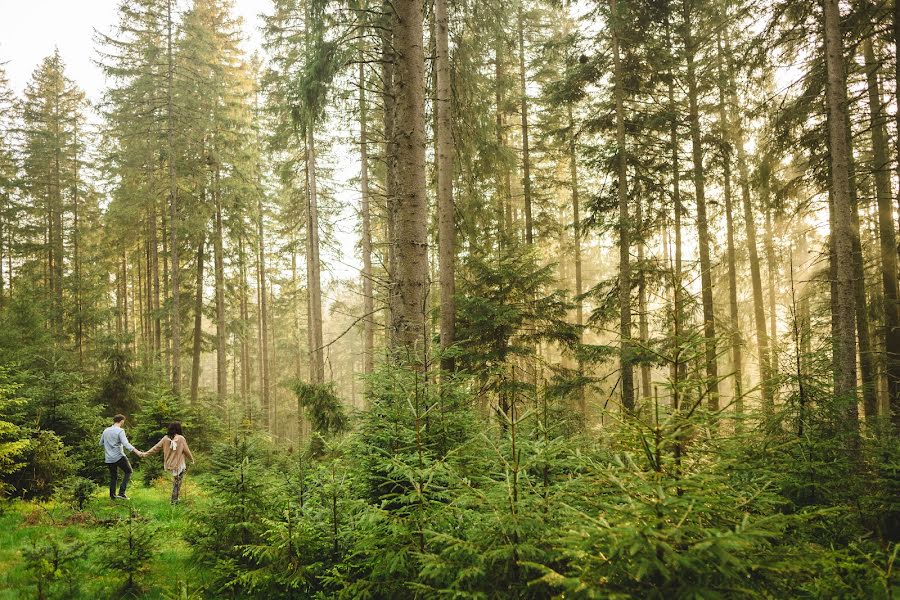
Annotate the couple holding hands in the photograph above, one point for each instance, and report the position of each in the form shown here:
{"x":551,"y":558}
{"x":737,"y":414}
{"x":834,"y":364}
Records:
{"x":173,"y":445}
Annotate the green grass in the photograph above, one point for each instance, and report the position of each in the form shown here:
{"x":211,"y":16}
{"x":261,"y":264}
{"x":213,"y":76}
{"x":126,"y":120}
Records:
{"x":172,"y":567}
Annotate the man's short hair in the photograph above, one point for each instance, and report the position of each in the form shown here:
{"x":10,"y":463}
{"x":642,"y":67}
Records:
{"x":118,"y":418}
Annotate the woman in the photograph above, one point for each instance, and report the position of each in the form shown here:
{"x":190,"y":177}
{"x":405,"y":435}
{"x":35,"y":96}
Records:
{"x":174,"y":448}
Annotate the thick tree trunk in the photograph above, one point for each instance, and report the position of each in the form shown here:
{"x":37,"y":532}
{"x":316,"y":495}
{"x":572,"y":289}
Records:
{"x":626,"y":351}
{"x":444,"y":164}
{"x":709,"y":320}
{"x":844,"y":360}
{"x":411,"y":229}
{"x":313,"y":266}
{"x":388,"y":100}
{"x":198,"y":325}
{"x":887,"y":233}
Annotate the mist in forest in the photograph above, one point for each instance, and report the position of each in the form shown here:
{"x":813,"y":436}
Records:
{"x":450,"y":299}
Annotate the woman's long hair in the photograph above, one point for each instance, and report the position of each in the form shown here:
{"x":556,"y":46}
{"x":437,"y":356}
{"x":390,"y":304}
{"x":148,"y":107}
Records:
{"x":174,"y":429}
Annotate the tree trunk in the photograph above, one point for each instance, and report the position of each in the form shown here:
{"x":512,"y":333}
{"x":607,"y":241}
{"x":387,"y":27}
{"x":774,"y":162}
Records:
{"x":245,"y":322}
{"x":446,"y":206}
{"x":625,"y":351}
{"x":886,"y":234}
{"x":504,"y":187}
{"x":76,"y":258}
{"x":679,"y":365}
{"x":576,"y":238}
{"x":709,"y":320}
{"x":173,"y":208}
{"x":864,"y":338}
{"x":526,"y":157}
{"x":388,"y":92}
{"x":263,"y":313}
{"x":844,"y":360}
{"x":643,"y":323}
{"x":198,"y":325}
{"x":314,"y":284}
{"x":759,"y":314}
{"x":368,"y":292}
{"x":736,"y":342}
{"x":221,"y":363}
{"x":411,"y":229}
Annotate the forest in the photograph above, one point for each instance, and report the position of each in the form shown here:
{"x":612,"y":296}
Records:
{"x":455,"y":299}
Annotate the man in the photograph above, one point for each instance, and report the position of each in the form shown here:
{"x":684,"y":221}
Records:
{"x":114,"y":443}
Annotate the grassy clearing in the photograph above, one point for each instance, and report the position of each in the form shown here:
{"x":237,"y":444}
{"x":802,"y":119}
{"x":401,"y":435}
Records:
{"x":173,"y":571}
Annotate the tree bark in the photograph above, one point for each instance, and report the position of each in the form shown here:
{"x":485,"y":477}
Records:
{"x":245,"y":322}
{"x":198,"y":325}
{"x":526,"y":151}
{"x":736,"y":342}
{"x":221,"y":362}
{"x":411,"y":229}
{"x":709,"y":320}
{"x":625,"y":350}
{"x":313,"y":266}
{"x":643,"y":323}
{"x":368,"y":292}
{"x":679,"y":365}
{"x":263,"y":319}
{"x":173,"y":208}
{"x":771,"y":268}
{"x":444,"y":164}
{"x":759,"y":314}
{"x":576,"y":239}
{"x":388,"y":100}
{"x":886,"y":233}
{"x":844,"y":360}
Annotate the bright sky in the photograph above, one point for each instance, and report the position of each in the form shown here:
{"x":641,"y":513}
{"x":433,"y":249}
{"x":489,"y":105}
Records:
{"x":31,"y":29}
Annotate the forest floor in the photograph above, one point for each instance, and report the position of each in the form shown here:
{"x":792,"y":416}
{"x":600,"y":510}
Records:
{"x":172,"y":569}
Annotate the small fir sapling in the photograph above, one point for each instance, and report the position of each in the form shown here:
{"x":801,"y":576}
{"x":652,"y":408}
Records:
{"x":54,"y":566}
{"x":127,"y":548}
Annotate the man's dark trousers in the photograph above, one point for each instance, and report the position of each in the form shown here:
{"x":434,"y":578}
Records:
{"x":123,"y":464}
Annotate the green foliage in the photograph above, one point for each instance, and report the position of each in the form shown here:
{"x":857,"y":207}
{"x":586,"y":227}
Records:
{"x":53,"y":566}
{"x":48,"y":464}
{"x":325,"y":410}
{"x":116,"y":385}
{"x":76,"y":492}
{"x":233,"y":520}
{"x":127,"y":548}
{"x":13,"y":443}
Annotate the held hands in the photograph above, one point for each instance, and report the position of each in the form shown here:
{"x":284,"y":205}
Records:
{"x":139,"y":453}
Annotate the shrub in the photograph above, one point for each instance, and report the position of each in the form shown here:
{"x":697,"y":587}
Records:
{"x":48,"y":464}
{"x":53,"y":565}
{"x":126,"y":548}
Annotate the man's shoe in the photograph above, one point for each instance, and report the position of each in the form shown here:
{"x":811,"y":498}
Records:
{"x":123,"y":497}
{"x":113,"y":498}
